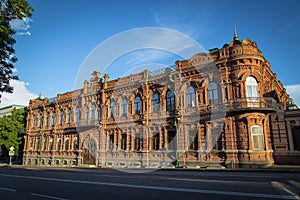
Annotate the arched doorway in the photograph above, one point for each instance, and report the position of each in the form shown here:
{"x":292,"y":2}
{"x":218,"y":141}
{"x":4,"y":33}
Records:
{"x":89,"y":151}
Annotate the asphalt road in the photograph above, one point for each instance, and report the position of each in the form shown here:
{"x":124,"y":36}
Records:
{"x":63,"y":184}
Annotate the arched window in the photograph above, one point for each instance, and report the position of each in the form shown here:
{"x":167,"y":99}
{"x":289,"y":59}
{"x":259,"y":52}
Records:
{"x":69,"y":115}
{"x":53,"y":118}
{"x":99,"y":111}
{"x":112,"y":108}
{"x":61,"y":116}
{"x":67,"y":144}
{"x":213,"y":93}
{"x":155,"y":102}
{"x":170,"y":101}
{"x":77,"y":114}
{"x":137,"y":105}
{"x":191,"y":97}
{"x":87,"y":113}
{"x":93,"y":109}
{"x":251,"y":88}
{"x":124,"y":107}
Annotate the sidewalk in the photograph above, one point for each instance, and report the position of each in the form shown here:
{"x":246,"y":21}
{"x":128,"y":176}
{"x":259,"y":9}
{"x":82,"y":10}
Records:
{"x":274,"y":168}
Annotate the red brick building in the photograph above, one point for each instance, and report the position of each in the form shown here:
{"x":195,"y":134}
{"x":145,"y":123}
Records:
{"x":210,"y":110}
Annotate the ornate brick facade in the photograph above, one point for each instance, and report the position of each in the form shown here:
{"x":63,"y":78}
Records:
{"x":210,"y":110}
{"x":285,"y":127}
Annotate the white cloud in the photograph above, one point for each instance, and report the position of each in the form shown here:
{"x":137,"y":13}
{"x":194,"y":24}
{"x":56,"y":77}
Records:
{"x":21,"y":26}
{"x":24,"y":33}
{"x":159,"y":39}
{"x":172,"y":21}
{"x":20,"y":96}
{"x":145,"y":56}
{"x":294,"y":92}
{"x":15,"y":70}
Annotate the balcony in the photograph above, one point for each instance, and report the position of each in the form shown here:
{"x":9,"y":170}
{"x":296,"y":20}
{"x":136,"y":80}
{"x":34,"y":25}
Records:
{"x":255,"y":104}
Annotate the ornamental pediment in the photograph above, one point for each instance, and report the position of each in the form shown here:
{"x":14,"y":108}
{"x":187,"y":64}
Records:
{"x":200,"y":59}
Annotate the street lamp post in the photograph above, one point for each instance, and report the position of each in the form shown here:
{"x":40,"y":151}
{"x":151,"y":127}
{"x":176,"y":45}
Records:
{"x":175,"y":120}
{"x":176,"y":153}
{"x":101,"y":152}
{"x":41,"y":135}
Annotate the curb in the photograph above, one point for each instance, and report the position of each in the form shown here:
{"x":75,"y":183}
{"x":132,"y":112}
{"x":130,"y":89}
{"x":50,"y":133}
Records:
{"x":279,"y":169}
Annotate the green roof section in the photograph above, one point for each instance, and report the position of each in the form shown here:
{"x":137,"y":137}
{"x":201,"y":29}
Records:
{"x":213,"y":50}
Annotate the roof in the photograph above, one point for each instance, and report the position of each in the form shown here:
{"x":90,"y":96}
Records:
{"x":13,"y":105}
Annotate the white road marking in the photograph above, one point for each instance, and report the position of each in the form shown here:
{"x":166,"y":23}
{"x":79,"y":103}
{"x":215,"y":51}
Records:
{"x":47,"y":196}
{"x":215,"y":181}
{"x":281,"y":186}
{"x":225,"y":174}
{"x":150,"y":187}
{"x":7,"y":189}
{"x":183,"y":179}
{"x":295,"y":183}
{"x":59,"y":173}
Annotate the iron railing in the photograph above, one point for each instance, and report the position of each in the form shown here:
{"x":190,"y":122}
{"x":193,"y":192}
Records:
{"x":253,"y":103}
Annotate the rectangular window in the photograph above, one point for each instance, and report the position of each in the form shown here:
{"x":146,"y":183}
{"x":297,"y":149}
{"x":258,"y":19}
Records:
{"x":137,"y":142}
{"x":51,"y":144}
{"x":111,"y":142}
{"x":257,"y":137}
{"x":75,"y":143}
{"x":216,"y":139}
{"x":124,"y":107}
{"x":93,"y":110}
{"x":112,"y":109}
{"x":41,"y":120}
{"x":155,"y":142}
{"x":69,"y":116}
{"x":58,"y":144}
{"x":45,"y":144}
{"x":38,"y":147}
{"x":296,"y":137}
{"x":48,"y":118}
{"x":171,"y":140}
{"x":87,"y":114}
{"x":123,"y":142}
{"x":34,"y":121}
{"x":31,"y":143}
{"x":77,"y":115}
{"x":99,"y":112}
{"x":61,"y":117}
{"x":193,"y":140}
{"x":170,"y":103}
{"x":137,"y":108}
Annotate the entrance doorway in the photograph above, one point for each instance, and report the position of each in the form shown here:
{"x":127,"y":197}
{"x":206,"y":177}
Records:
{"x":89,"y":152}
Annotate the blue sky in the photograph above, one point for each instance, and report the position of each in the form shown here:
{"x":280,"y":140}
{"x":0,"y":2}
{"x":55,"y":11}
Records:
{"x":52,"y":46}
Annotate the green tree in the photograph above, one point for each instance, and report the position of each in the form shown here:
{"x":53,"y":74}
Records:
{"x":9,"y":10}
{"x":10,"y":127}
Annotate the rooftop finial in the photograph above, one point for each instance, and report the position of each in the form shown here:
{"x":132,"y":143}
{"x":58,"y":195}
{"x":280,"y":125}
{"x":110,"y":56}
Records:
{"x":235,"y":37}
